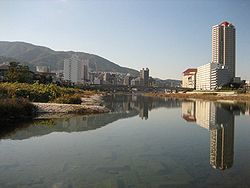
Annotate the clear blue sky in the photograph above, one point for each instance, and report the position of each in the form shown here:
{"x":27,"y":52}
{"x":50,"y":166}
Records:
{"x":165,"y":36}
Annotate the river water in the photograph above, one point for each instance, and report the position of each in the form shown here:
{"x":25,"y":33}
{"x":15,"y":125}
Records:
{"x":143,"y":142}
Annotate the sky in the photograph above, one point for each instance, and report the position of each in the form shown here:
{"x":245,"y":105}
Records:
{"x":166,"y":36}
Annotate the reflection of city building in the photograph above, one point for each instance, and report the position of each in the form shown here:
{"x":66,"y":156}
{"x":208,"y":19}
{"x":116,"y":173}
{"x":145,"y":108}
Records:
{"x":188,"y":111}
{"x":143,"y":113}
{"x":219,"y":120}
{"x":139,"y":104}
{"x":205,"y":114}
{"x":222,"y":146}
{"x":222,"y":139}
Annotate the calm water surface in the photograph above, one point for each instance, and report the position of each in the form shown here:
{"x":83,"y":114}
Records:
{"x":143,"y":142}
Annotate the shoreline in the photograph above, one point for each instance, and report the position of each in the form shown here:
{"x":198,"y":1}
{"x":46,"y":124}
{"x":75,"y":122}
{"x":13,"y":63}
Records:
{"x":213,"y":96}
{"x":89,"y":105}
{"x":13,"y":110}
{"x":55,"y":108}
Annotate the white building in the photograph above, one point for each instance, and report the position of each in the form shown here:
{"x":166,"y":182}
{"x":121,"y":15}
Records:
{"x":189,"y":78}
{"x":212,"y":76}
{"x":44,"y":69}
{"x":75,"y":69}
{"x":223,"y":46}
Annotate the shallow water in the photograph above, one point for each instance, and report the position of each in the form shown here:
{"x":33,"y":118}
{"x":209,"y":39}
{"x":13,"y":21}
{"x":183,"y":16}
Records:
{"x":143,"y":142}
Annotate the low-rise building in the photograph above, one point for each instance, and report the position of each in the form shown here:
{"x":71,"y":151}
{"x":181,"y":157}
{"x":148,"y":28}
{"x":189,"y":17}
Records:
{"x":212,"y":76}
{"x":110,"y":78}
{"x":43,"y":69}
{"x":189,"y":78}
{"x":136,"y":81}
{"x":127,"y":80}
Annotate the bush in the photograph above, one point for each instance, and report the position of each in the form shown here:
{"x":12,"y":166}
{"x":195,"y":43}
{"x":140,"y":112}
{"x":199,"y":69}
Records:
{"x":42,"y":93}
{"x":16,"y":108}
{"x":69,"y":99}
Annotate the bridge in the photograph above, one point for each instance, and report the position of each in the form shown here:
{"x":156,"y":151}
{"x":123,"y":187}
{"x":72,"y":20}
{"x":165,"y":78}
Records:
{"x":130,"y":89}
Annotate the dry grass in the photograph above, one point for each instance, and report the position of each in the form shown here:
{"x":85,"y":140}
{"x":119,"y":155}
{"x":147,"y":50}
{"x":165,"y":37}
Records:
{"x":11,"y":109}
{"x":205,"y":96}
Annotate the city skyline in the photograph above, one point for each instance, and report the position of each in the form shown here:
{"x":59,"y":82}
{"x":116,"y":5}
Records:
{"x":165,"y":36}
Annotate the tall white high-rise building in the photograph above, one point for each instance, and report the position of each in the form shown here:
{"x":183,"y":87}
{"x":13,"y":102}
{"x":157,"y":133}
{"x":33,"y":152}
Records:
{"x":75,"y":70}
{"x":223,"y":46}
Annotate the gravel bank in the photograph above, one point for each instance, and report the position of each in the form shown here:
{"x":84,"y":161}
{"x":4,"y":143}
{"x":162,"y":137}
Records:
{"x":90,"y":105}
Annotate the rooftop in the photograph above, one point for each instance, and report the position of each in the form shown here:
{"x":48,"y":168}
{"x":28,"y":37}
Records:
{"x":188,"y":71}
{"x":225,"y":23}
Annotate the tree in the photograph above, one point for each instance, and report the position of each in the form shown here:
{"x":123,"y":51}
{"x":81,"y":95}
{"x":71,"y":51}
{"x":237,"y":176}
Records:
{"x":18,"y":73}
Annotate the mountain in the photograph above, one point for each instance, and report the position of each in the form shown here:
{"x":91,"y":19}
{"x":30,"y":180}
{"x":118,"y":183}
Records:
{"x":33,"y":55}
{"x":6,"y":59}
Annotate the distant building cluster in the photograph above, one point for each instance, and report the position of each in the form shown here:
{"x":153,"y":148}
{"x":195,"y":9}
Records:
{"x":43,"y":74}
{"x":221,"y":71}
{"x":76,"y":71}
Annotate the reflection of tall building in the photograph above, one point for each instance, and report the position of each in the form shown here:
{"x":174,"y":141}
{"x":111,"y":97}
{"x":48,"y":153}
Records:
{"x":205,"y":114}
{"x":222,"y":140}
{"x":143,"y":110}
{"x":201,"y":112}
{"x":138,"y":104}
{"x":219,"y":120}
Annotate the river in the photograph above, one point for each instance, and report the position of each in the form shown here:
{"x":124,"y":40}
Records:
{"x":143,"y":142}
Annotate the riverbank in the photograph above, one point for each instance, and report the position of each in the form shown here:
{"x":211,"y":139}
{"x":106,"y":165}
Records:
{"x":25,"y":101}
{"x":12,"y":109}
{"x":89,"y":105}
{"x":213,"y":96}
{"x":22,"y":109}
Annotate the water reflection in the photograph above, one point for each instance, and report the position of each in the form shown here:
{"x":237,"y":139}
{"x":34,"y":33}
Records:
{"x":142,"y":105}
{"x":122,"y":106}
{"x":219,"y":119}
{"x":160,"y":152}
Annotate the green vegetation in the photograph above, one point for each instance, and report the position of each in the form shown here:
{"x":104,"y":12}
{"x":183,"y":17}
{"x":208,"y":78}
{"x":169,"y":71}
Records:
{"x":42,"y":93}
{"x":69,"y":99}
{"x":15,"y":97}
{"x":12,"y":109}
{"x":18,"y":73}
